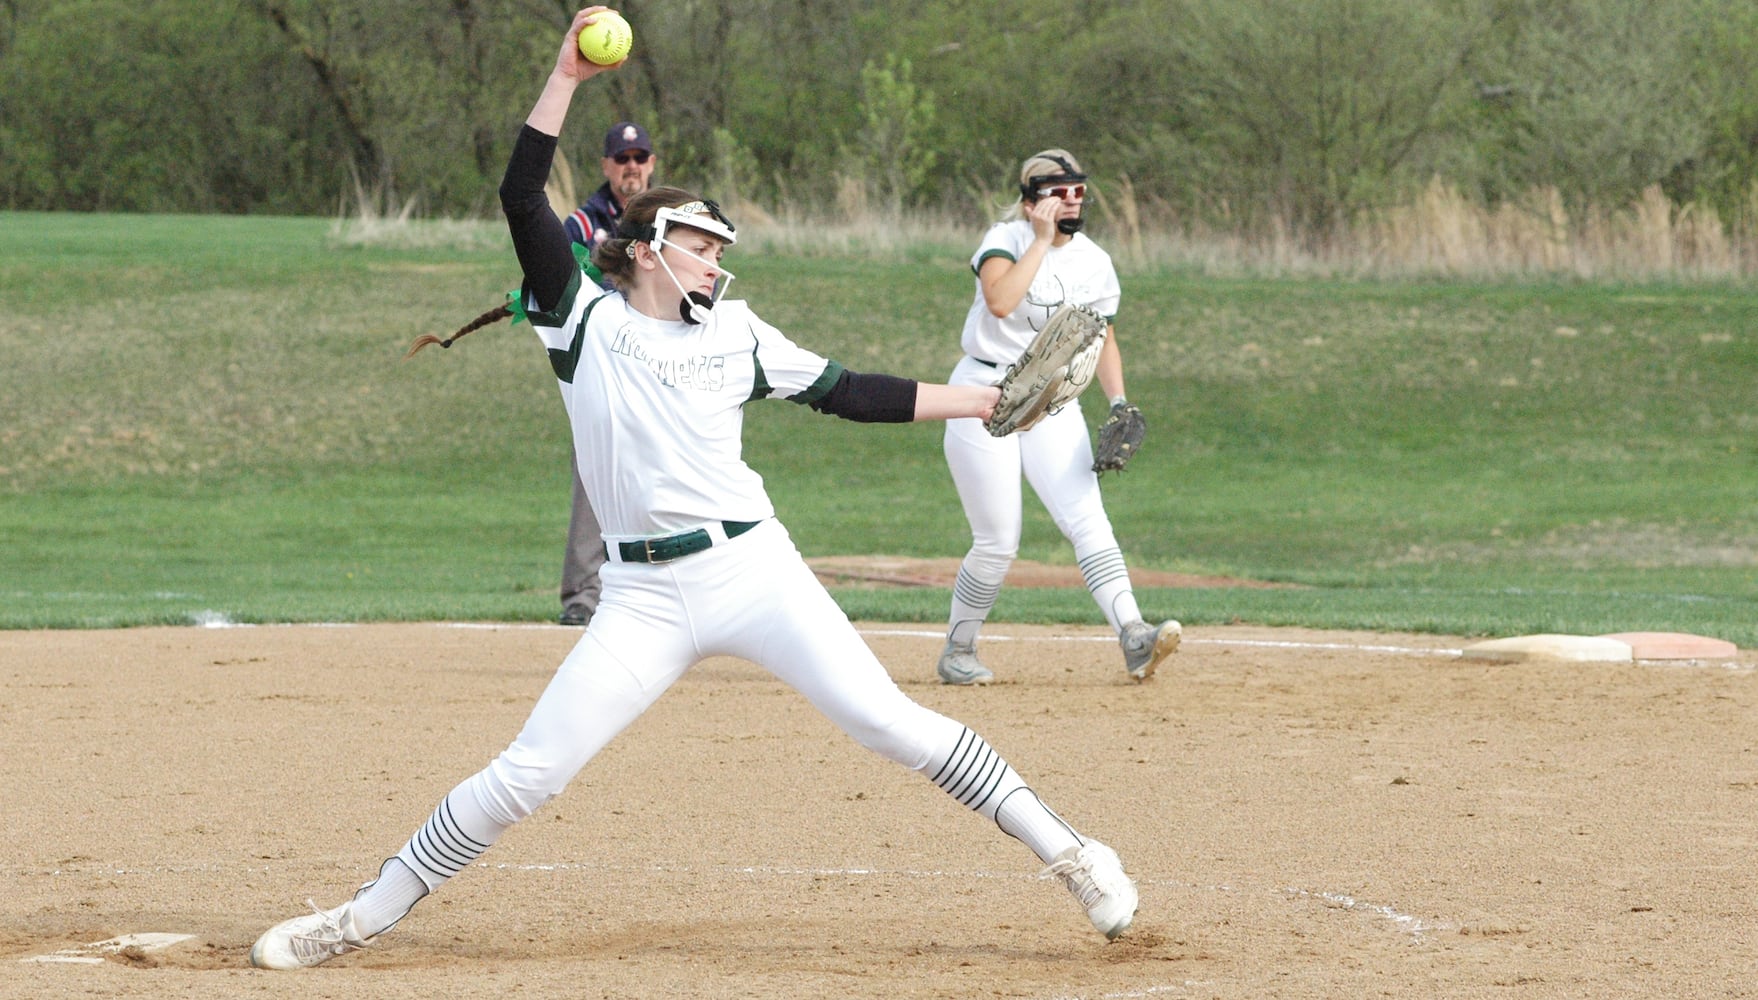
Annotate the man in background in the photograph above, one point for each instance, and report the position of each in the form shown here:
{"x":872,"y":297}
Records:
{"x":628,"y":170}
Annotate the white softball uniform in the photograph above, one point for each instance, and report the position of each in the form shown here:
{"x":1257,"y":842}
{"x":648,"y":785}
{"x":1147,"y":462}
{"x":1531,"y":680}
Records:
{"x":1078,"y":271}
{"x":698,"y":567}
{"x":657,"y":408}
{"x":1055,"y":455}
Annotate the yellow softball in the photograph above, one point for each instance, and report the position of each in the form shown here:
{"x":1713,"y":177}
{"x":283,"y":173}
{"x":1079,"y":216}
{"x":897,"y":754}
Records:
{"x":606,"y":41}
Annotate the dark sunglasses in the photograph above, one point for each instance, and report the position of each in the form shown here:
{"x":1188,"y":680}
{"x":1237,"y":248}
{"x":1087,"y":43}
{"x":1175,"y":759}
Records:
{"x":639,"y":156}
{"x":1064,"y":192}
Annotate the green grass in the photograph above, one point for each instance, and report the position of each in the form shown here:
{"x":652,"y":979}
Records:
{"x":212,"y":416}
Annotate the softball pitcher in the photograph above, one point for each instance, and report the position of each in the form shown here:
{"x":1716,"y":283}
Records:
{"x":1025,"y":268}
{"x":654,"y":377}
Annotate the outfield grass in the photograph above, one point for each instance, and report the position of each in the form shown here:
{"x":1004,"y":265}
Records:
{"x":211,"y":417}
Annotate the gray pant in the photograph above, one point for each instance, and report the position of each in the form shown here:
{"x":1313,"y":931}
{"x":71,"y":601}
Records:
{"x":584,"y":555}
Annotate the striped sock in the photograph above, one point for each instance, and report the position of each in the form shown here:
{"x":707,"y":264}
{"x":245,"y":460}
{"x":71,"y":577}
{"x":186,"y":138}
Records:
{"x":1025,"y":818}
{"x":1108,"y":579}
{"x":971,"y":601}
{"x":452,"y":838}
{"x":978,"y":777}
{"x":387,"y":899}
{"x":974,"y":774}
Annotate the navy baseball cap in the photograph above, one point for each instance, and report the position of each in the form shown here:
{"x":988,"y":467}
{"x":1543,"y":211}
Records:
{"x":624,"y":136}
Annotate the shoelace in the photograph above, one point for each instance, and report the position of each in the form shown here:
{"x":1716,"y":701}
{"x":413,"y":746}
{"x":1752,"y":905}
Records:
{"x":325,"y":939}
{"x":1078,"y":874}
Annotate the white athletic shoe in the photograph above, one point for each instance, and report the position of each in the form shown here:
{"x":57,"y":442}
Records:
{"x":1095,"y":875}
{"x":959,"y":665}
{"x":1144,"y":646}
{"x":306,"y":941}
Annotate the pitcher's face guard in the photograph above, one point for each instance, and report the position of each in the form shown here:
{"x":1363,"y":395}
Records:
{"x":706,"y":217}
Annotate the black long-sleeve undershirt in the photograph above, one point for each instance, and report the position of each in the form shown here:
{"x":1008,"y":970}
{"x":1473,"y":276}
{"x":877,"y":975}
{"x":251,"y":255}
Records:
{"x":539,"y":240}
{"x":870,"y":399}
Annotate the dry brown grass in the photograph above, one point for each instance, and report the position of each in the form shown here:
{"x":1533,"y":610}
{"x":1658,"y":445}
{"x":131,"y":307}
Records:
{"x":1442,"y":232}
{"x":1438,"y":232}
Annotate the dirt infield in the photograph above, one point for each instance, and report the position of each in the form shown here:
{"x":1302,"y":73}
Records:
{"x":1308,"y":815}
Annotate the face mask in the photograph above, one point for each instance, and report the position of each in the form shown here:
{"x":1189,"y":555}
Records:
{"x":705,"y":216}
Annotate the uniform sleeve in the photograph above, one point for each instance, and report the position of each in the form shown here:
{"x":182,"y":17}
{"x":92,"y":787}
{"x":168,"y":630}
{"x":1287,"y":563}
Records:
{"x":786,"y":370}
{"x":997,"y":242}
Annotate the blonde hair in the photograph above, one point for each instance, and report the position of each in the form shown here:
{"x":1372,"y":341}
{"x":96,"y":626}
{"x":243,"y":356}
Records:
{"x":1049,"y":162}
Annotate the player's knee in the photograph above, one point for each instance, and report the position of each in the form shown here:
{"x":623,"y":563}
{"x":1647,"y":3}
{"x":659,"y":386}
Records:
{"x":516,"y":784}
{"x":1089,"y":531}
{"x":991,"y":561}
{"x":901,"y":737}
{"x":910,"y":736}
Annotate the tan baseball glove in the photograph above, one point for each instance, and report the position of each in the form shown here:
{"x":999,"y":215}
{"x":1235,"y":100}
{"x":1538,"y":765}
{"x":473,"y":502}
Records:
{"x":1119,"y":436}
{"x":1055,"y":368}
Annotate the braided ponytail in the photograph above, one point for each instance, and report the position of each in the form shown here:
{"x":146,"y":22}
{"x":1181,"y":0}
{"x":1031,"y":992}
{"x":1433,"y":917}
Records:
{"x":494,"y":315}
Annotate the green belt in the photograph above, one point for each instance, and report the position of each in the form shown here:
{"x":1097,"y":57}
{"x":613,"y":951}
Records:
{"x":658,"y":550}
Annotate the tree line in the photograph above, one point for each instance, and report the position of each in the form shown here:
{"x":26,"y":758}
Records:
{"x":1298,"y":113}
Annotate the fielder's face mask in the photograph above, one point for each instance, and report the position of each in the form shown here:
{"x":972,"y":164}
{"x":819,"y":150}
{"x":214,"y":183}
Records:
{"x":702,"y":216}
{"x":1068,"y":176}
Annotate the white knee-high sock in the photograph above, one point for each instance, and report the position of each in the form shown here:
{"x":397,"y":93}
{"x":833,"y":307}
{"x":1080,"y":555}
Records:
{"x":974,"y":774}
{"x":1022,"y":816}
{"x":452,"y":838}
{"x":387,"y":899}
{"x":1108,"y":579}
{"x":972,"y":599}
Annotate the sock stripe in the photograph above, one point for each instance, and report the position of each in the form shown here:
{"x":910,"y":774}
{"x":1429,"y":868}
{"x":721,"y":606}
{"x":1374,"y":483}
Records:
{"x":973,"y":772}
{"x":957,"y":752}
{"x":971,"y":777}
{"x":1102,"y":568}
{"x":441,"y":847}
{"x":973,"y":592}
{"x":455,"y":830}
{"x":434,"y":856}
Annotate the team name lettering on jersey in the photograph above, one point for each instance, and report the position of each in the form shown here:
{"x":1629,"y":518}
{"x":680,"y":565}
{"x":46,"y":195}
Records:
{"x":703,"y":372}
{"x":1042,"y":298}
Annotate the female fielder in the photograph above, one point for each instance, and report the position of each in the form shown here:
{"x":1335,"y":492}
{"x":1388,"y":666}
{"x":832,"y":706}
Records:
{"x":1025,"y":268}
{"x":654,"y":376}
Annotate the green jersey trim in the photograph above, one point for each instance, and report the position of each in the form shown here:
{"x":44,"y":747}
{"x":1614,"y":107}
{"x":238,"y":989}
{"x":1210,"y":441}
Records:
{"x":565,"y":362}
{"x":814,"y":392}
{"x":984,"y":259}
{"x":557,"y":317}
{"x":760,"y":387}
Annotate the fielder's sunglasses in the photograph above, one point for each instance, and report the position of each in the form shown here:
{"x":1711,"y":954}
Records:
{"x":1064,"y":192}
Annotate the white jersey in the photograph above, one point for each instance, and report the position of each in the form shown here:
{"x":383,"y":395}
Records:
{"x":657,"y":407}
{"x":1078,"y":272}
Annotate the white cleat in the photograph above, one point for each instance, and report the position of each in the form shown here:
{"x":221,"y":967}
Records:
{"x":1144,"y":646}
{"x":1094,"y":873}
{"x":303,"y":942}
